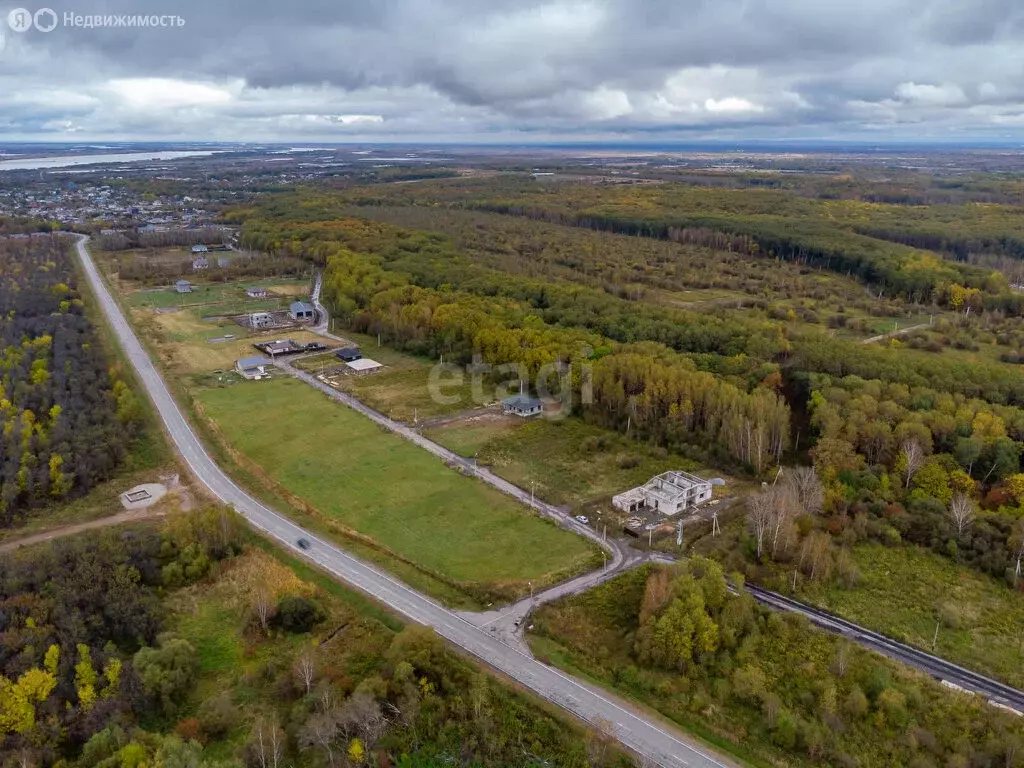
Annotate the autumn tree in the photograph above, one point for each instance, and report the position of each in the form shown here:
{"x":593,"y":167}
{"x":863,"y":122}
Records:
{"x":807,"y":489}
{"x":961,"y":513}
{"x":1017,"y":548}
{"x":760,"y":516}
{"x":911,"y":459}
{"x":266,"y":746}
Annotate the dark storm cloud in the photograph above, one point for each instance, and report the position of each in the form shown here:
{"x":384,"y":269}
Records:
{"x":459,"y":68}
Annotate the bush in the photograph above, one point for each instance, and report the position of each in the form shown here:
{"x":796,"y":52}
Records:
{"x":629,"y":462}
{"x":296,"y":614}
{"x":190,"y":729}
{"x":218,"y":715}
{"x":856,"y":704}
{"x":784,"y":731}
{"x":166,"y":672}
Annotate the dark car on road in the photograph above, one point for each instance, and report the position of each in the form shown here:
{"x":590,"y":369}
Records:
{"x":303,"y":543}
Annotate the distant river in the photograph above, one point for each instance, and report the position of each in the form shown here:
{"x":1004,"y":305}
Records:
{"x":63,"y":161}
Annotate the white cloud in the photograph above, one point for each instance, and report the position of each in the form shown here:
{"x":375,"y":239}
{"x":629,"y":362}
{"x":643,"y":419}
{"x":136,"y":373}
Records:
{"x":925,"y":94}
{"x":731,"y":105}
{"x":164,"y":93}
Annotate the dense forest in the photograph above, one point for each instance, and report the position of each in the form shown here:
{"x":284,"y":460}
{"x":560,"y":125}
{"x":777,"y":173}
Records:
{"x":883,"y":245}
{"x":68,"y":416}
{"x":766,"y":682}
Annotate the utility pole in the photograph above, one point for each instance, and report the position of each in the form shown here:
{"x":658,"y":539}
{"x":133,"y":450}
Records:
{"x":531,"y":590}
{"x":532,"y":484}
{"x":935,"y":637}
{"x":604,"y":564}
{"x":650,"y":537}
{"x":715,"y":528}
{"x":679,"y":534}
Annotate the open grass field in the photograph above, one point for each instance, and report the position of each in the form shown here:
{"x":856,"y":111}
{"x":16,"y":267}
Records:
{"x":981,"y":620}
{"x":570,"y":461}
{"x":384,"y":488}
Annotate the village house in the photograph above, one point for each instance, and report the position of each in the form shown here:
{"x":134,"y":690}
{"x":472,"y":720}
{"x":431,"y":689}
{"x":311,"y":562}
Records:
{"x":521,"y":405}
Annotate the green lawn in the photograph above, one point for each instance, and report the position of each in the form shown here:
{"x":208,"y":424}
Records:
{"x":904,"y":590}
{"x":570,"y":461}
{"x":391,"y":491}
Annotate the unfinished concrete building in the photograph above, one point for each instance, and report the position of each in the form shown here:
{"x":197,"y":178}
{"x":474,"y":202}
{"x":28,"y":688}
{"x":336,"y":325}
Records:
{"x":668,"y":493}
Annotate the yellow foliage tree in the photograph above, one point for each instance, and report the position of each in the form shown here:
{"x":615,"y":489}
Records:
{"x":18,"y":700}
{"x":356,"y":752}
{"x":1015,"y":485}
{"x":52,"y":659}
{"x":85,"y":678}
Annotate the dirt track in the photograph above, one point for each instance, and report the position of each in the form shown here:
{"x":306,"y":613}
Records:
{"x":70,"y":530}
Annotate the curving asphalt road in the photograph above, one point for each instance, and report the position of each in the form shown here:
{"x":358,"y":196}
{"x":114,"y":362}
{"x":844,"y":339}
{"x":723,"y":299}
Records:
{"x":635,"y":731}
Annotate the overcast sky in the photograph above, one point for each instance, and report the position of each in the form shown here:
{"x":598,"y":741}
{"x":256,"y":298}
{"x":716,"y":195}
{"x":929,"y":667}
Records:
{"x":516,"y":70}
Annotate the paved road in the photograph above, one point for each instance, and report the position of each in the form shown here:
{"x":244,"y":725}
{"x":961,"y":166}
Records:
{"x":635,"y":731}
{"x":941,"y":669}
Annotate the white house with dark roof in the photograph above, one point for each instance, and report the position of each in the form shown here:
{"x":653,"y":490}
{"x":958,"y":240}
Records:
{"x":252,"y":367}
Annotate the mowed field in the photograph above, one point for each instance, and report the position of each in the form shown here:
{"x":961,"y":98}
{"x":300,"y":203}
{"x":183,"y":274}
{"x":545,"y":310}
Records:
{"x":395,"y":493}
